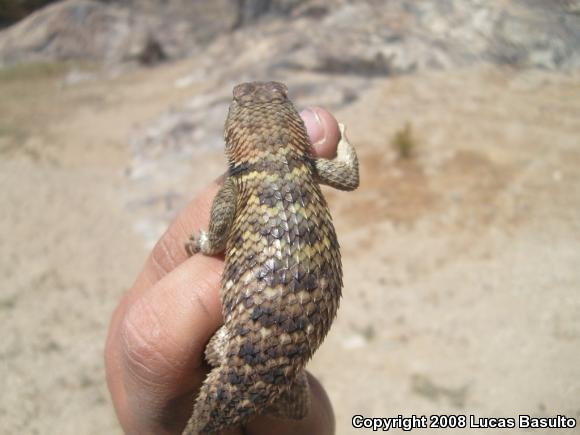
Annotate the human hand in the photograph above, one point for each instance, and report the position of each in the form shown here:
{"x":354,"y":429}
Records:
{"x":154,"y":355}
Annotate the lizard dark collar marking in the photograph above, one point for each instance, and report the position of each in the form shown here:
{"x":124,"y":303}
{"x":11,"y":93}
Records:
{"x":236,"y":170}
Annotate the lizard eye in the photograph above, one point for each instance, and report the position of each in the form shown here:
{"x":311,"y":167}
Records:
{"x":277,"y":90}
{"x":243,"y":89}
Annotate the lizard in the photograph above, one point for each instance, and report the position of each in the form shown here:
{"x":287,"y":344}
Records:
{"x":282,"y":278}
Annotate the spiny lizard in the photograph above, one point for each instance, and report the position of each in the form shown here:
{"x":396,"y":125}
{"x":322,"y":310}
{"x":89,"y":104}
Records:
{"x":283,"y":276}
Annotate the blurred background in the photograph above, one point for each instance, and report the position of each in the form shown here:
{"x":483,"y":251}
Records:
{"x":461,"y":247}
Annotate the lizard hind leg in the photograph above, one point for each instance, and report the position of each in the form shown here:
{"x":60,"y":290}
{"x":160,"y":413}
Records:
{"x":216,"y":347}
{"x":294,"y":403}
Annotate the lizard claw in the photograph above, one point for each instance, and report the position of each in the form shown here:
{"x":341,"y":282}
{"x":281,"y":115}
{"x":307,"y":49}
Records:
{"x":192,"y":246}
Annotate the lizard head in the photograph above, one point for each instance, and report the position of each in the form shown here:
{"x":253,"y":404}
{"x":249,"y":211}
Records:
{"x":260,"y":92}
{"x":261,"y":122}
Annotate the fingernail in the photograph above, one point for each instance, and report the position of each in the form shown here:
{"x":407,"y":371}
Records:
{"x":314,"y":125}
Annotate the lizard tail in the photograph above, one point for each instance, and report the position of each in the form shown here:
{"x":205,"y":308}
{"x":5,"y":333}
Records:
{"x":227,"y":398}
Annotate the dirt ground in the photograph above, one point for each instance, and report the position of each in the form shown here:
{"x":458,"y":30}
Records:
{"x":462,"y":264}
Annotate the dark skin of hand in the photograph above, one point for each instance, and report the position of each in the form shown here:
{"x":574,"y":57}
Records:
{"x":154,"y":353}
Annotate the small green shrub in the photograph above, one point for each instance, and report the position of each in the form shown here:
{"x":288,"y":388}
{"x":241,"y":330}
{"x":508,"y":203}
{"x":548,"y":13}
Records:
{"x":404,"y":143}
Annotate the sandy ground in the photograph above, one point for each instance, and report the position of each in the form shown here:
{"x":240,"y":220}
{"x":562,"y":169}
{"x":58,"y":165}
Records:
{"x":462,"y":264}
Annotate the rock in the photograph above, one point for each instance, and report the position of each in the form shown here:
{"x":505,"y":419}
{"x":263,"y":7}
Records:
{"x":114,"y":32}
{"x":13,"y":10}
{"x":250,"y":10}
{"x":367,"y":38}
{"x":74,"y":29}
{"x":152,"y":53}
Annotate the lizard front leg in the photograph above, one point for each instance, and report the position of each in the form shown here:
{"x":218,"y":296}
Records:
{"x":342,"y":171}
{"x":222,"y":215}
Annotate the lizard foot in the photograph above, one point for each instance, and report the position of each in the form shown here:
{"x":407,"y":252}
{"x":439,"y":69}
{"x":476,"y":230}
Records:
{"x":192,"y":246}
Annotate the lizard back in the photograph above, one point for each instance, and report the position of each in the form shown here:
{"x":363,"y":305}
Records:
{"x":283,"y":277}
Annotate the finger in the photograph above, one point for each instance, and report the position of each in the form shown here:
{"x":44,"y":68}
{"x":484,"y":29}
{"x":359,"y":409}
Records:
{"x":323,"y":131}
{"x":155,"y":351}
